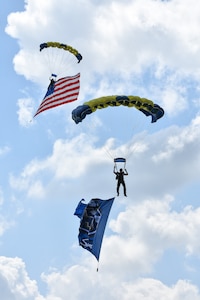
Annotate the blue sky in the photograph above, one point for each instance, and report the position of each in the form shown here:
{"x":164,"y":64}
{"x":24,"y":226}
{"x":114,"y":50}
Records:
{"x":151,"y":246}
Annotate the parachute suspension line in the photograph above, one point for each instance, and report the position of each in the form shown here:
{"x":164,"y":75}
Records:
{"x":129,"y":154}
{"x":108,"y":152}
{"x":50,"y":55}
{"x":66,"y":59}
{"x":92,"y":125}
{"x":115,"y":166}
{"x":142,"y":105}
{"x":137,"y":124}
{"x":47,"y":58}
{"x":52,"y":52}
{"x":60,"y":60}
{"x":131,"y":151}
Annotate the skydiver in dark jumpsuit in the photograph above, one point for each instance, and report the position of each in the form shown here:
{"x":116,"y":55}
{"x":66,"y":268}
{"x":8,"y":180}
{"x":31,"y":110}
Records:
{"x":120,"y":180}
{"x":51,"y":84}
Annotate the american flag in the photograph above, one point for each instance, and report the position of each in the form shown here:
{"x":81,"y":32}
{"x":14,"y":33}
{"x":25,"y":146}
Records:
{"x":60,"y":92}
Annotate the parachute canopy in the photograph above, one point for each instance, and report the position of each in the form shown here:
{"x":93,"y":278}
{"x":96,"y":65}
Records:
{"x":60,"y":60}
{"x":144,"y":105}
{"x":93,"y":218}
{"x":62,"y":46}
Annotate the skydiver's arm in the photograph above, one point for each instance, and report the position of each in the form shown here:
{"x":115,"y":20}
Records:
{"x":126,"y":172}
{"x":114,"y":170}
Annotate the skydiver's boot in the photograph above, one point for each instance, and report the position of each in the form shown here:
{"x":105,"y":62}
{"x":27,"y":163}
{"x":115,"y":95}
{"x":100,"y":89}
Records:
{"x":125,"y":192}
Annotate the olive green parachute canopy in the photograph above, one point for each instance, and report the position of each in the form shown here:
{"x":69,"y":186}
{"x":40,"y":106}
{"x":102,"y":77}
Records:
{"x":142,"y":104}
{"x":62,"y":46}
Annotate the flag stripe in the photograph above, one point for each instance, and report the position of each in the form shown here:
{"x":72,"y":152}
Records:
{"x":56,"y":95}
{"x":65,"y":90}
{"x":57,"y":103}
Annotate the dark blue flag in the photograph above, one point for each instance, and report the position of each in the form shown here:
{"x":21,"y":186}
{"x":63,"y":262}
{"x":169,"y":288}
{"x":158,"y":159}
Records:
{"x":93,"y":218}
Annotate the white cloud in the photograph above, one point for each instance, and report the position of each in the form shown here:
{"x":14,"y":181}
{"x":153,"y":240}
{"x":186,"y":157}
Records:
{"x":152,"y":227}
{"x":25,"y":112}
{"x":116,"y":47}
{"x":173,"y":101}
{"x":4,"y":224}
{"x":181,"y":140}
{"x":153,"y":289}
{"x":15,"y":282}
{"x":137,"y":37}
{"x":4,"y":150}
{"x":79,"y":282}
{"x":36,"y":190}
{"x":141,"y":235}
{"x":127,"y":48}
{"x":172,"y":152}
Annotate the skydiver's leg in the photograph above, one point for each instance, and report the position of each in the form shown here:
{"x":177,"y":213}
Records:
{"x":124,"y":185}
{"x":118,"y":184}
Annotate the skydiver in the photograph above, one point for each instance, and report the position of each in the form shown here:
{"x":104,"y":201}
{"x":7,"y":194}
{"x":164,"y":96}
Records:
{"x":51,"y":84}
{"x":120,"y":179}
